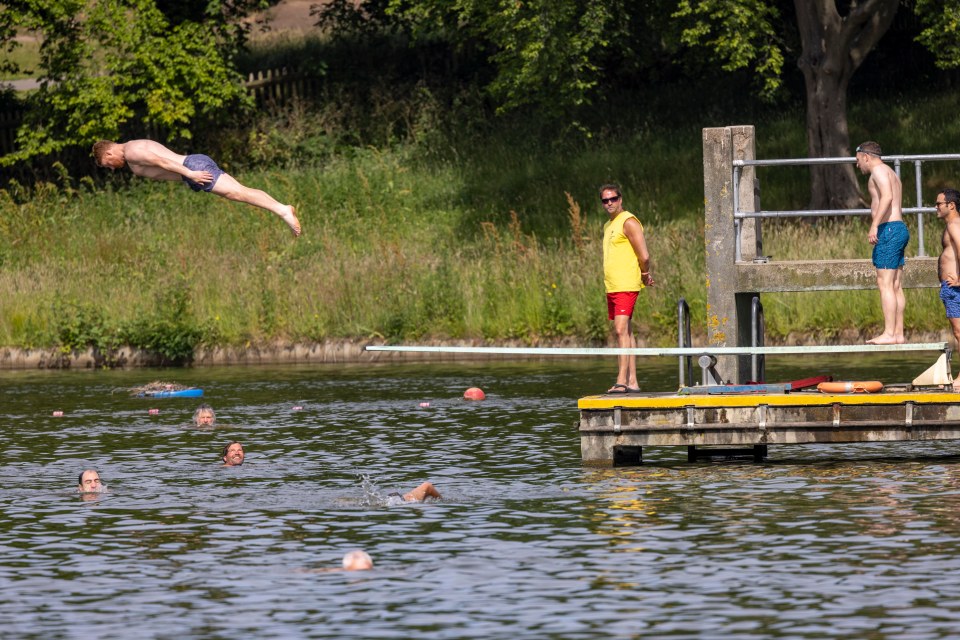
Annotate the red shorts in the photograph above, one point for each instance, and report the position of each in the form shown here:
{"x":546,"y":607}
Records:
{"x":621,"y":303}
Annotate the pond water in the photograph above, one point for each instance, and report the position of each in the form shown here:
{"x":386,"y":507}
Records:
{"x":841,"y":541}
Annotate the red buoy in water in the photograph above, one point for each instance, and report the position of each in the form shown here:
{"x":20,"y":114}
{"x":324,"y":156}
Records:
{"x":474,"y":393}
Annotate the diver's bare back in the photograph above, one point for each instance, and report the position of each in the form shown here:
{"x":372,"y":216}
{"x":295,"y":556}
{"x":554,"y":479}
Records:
{"x":141,"y":157}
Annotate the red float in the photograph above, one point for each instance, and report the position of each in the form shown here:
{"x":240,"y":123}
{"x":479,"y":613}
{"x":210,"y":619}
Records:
{"x":474,"y":393}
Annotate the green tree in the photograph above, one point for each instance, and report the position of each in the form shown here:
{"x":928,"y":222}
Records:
{"x":744,"y":34}
{"x":8,"y":30}
{"x":556,"y":53}
{"x":544,"y":52}
{"x":941,"y":30}
{"x":836,"y":37}
{"x":111,"y":65}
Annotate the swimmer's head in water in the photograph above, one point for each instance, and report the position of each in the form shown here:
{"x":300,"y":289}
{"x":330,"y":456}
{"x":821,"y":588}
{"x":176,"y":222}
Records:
{"x":357,"y":561}
{"x":233,"y":454}
{"x":89,"y":482}
{"x":204,"y":415}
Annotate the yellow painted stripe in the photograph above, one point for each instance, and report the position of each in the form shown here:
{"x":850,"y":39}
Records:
{"x":753,"y":400}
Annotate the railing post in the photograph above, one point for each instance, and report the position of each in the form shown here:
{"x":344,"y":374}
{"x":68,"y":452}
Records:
{"x":684,"y":340}
{"x":918,"y":175}
{"x":737,"y":227}
{"x":758,"y":362}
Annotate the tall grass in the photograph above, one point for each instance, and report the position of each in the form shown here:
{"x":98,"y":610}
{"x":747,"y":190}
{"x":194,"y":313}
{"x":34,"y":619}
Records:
{"x":494,"y":235}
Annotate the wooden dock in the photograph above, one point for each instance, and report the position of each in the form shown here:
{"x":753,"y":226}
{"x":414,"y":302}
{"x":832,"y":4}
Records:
{"x":615,"y":428}
{"x":745,"y":418}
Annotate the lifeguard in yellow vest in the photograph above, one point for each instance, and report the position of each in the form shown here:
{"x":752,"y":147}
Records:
{"x":626,"y":270}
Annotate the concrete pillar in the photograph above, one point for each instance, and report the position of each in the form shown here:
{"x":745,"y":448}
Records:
{"x":728,"y":308}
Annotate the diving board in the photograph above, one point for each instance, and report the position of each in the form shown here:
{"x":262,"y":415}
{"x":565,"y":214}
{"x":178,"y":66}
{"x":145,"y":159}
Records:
{"x":667,"y":352}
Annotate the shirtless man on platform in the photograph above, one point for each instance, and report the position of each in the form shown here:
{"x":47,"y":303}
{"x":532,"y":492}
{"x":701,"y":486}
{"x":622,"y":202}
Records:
{"x":149,"y":159}
{"x":948,"y":266}
{"x":889,"y":236}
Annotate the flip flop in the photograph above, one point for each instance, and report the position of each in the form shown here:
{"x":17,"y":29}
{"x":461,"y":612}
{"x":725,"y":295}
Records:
{"x":618,"y":388}
{"x":632,"y":390}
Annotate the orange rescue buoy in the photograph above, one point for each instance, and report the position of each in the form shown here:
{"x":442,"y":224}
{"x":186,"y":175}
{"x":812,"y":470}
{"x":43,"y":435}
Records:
{"x":869,"y":386}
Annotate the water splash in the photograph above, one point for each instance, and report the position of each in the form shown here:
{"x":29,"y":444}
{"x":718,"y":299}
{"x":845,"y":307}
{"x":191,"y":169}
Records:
{"x":372,"y":496}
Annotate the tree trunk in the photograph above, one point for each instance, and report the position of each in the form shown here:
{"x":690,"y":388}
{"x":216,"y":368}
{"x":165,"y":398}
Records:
{"x":833,"y":49}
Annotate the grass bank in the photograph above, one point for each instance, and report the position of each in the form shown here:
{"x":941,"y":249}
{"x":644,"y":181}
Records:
{"x":492,"y":236}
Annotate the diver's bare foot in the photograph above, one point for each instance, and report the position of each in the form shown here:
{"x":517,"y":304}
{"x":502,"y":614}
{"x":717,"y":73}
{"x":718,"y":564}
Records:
{"x":882,"y":339}
{"x":291,"y":219}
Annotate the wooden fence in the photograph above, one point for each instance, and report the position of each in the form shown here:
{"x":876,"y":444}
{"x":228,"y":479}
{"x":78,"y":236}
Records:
{"x":277,"y":87}
{"x":271,"y":89}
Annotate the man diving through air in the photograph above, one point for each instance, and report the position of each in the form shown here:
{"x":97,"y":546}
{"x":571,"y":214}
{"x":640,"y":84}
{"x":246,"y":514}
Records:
{"x":149,"y":159}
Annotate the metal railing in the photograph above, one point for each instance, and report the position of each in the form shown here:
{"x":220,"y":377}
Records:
{"x":918,"y":209}
{"x":758,"y":361}
{"x":683,"y":340}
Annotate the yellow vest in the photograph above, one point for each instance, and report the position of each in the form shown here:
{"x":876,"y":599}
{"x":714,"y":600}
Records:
{"x":621,"y":267}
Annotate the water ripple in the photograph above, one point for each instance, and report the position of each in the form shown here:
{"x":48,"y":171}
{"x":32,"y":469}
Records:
{"x":818,"y":542}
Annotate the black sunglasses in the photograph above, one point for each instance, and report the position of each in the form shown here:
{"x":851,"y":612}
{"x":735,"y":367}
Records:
{"x":609,"y":200}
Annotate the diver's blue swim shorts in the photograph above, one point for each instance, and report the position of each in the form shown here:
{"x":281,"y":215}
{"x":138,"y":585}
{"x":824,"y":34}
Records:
{"x":892,"y":239}
{"x":951,"y":299}
{"x":200,"y":162}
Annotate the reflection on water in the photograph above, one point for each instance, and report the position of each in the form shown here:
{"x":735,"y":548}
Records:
{"x":820,"y":541}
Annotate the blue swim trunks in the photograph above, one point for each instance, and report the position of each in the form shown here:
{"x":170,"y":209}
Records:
{"x":951,"y":299}
{"x":200,"y":162}
{"x":892,"y":239}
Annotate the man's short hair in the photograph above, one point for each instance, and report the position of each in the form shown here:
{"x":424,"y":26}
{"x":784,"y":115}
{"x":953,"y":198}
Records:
{"x":610,"y":187}
{"x":951,"y":195}
{"x":80,"y":477}
{"x":871,"y":147}
{"x":227,"y":448}
{"x":99,"y":149}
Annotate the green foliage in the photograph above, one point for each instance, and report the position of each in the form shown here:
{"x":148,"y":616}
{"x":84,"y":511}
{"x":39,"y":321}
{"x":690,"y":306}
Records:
{"x":941,"y":30}
{"x":9,"y":65}
{"x":351,"y":19}
{"x":171,"y":330}
{"x":739,"y":34}
{"x":545,"y":52}
{"x":79,"y":326}
{"x":115,"y":64}
{"x":546,"y":46}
